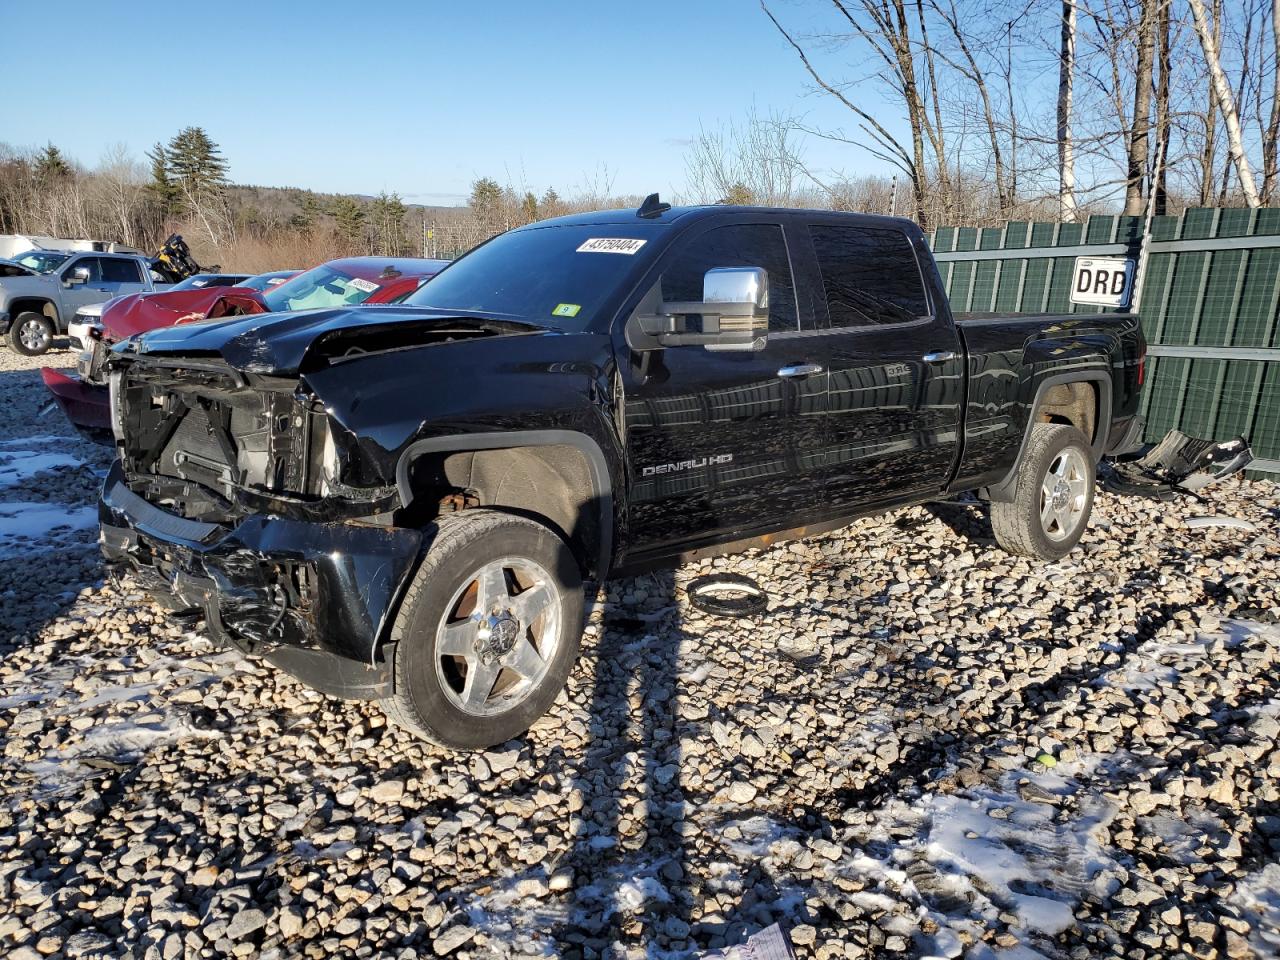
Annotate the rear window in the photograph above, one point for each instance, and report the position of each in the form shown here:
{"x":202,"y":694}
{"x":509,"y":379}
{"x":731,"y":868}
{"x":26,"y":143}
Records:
{"x":121,"y":271}
{"x":869,"y":275}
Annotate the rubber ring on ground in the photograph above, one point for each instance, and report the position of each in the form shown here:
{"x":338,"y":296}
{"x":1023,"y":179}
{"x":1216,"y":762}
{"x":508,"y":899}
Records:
{"x":727,"y":595}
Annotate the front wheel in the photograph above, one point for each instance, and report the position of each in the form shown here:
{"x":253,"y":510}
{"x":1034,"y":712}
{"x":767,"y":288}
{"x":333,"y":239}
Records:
{"x":31,"y":334}
{"x":488,"y":631}
{"x":1053,"y":497}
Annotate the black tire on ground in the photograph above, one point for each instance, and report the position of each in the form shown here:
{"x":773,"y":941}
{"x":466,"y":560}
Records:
{"x":488,"y":631}
{"x":1053,"y":498}
{"x":31,"y":334}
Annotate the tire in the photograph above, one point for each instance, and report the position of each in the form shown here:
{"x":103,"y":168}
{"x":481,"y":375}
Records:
{"x":31,"y":334}
{"x":1053,"y":496}
{"x":465,"y":681}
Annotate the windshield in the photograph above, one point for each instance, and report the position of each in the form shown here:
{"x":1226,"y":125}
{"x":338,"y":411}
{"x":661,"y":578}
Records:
{"x":201,"y":280}
{"x":264,"y":280}
{"x":42,"y":261}
{"x":321,"y":286}
{"x":561,"y":275}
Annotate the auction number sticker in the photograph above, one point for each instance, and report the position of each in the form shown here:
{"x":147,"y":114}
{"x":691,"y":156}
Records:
{"x":611,"y":245}
{"x":363,"y":285}
{"x":566,"y":310}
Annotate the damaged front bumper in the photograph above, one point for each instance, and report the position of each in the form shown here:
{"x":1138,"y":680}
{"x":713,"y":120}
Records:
{"x":313,"y":598}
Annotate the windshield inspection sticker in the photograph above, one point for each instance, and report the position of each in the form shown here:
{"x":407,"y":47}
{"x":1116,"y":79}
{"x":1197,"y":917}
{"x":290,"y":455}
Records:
{"x":566,"y":310}
{"x":364,"y":286}
{"x":611,"y":245}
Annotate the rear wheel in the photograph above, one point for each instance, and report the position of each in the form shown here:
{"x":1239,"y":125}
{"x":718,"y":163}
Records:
{"x":1053,"y":497}
{"x":31,"y":334}
{"x":488,"y":631}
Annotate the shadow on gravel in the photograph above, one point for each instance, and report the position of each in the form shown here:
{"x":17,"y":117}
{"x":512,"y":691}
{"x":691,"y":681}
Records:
{"x":630,"y":849}
{"x":970,"y":519}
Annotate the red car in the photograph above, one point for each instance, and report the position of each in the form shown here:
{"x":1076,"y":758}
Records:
{"x":338,"y":283}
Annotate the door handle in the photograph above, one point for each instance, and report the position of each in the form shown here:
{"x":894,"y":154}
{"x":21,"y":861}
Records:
{"x":799,"y":370}
{"x":939,"y":356}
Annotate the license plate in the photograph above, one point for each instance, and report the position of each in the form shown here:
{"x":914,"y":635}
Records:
{"x":1102,"y":281}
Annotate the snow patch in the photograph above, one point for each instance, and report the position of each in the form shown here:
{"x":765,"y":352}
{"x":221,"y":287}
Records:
{"x":1258,"y":897}
{"x":19,"y":466}
{"x":38,"y":527}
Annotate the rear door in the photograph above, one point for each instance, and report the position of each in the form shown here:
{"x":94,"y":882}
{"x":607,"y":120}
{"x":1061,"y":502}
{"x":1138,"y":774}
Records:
{"x":896,"y":366}
{"x":122,"y":276}
{"x":722,"y":444}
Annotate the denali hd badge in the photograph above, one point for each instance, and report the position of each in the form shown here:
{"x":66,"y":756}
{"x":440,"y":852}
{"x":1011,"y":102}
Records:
{"x":696,"y":464}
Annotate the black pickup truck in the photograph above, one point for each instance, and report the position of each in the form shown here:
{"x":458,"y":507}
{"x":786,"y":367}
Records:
{"x":403,"y":503}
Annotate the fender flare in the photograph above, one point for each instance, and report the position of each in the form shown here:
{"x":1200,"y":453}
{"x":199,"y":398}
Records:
{"x":26,"y":303}
{"x":602,"y":486}
{"x":1003,"y":491}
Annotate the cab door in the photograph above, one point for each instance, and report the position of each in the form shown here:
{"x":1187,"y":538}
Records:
{"x":896,"y":366}
{"x":76,"y":295}
{"x":722,"y":445}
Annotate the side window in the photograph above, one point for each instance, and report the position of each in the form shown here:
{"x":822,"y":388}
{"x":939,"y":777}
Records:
{"x":869,"y":274}
{"x":119,"y":270}
{"x":737,"y":245}
{"x":92,"y":264}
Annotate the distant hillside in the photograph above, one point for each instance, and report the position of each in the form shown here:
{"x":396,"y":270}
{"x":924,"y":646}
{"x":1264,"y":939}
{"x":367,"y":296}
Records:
{"x":282,"y":204}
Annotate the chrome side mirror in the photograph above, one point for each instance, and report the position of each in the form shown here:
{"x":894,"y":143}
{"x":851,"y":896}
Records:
{"x":78,"y":276}
{"x":734,"y":310}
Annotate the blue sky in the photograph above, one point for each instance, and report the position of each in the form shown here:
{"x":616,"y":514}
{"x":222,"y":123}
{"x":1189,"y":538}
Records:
{"x":417,"y":98}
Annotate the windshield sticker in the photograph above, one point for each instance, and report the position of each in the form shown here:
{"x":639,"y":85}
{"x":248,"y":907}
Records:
{"x":566,"y":310}
{"x":611,"y":245}
{"x":364,"y":286}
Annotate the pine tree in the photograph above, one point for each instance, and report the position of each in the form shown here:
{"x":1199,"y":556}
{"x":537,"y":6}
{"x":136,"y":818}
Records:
{"x":348,"y":217}
{"x":487,"y":201}
{"x":529,"y":207}
{"x":551,"y":205}
{"x":198,"y":172}
{"x":388,"y":223}
{"x":161,"y":187}
{"x":309,"y":213}
{"x":51,"y":165}
{"x":196,"y":162}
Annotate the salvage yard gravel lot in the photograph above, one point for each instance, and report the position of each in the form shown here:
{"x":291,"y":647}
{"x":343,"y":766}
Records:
{"x":924,"y":748}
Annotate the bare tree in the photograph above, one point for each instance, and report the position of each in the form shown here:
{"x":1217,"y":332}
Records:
{"x":1160,"y":179}
{"x":756,"y":161}
{"x":1066,"y":83}
{"x":1272,"y":132}
{"x":1226,"y":102}
{"x":1139,"y":131}
{"x":975,"y":74}
{"x":889,"y":39}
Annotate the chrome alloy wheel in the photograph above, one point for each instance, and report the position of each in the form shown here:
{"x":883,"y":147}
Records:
{"x":498,"y":636}
{"x":33,"y":335}
{"x":1064,"y":494}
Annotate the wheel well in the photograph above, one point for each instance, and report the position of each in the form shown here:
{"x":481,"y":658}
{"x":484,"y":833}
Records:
{"x":551,"y":484}
{"x":34,"y":305}
{"x":1074,"y":403}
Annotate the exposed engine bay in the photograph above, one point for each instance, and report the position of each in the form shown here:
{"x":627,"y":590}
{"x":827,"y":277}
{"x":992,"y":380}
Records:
{"x":210,"y":444}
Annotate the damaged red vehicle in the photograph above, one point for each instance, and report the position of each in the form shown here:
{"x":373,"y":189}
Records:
{"x":82,"y":396}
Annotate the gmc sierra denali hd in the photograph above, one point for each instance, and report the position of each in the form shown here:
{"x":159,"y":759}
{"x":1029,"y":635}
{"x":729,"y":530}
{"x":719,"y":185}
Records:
{"x":404,"y":503}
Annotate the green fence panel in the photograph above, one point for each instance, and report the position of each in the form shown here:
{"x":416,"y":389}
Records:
{"x":1222,"y":296}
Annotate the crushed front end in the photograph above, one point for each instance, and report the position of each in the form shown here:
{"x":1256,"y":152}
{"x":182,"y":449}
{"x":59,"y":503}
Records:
{"x":227,"y":499}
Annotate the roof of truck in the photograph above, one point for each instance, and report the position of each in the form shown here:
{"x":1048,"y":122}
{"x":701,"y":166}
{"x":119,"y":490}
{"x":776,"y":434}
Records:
{"x":691,"y":213}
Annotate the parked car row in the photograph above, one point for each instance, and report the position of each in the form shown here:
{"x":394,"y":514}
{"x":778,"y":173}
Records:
{"x":82,"y":396}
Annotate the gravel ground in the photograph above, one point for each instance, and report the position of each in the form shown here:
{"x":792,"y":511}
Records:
{"x":924,"y":748}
